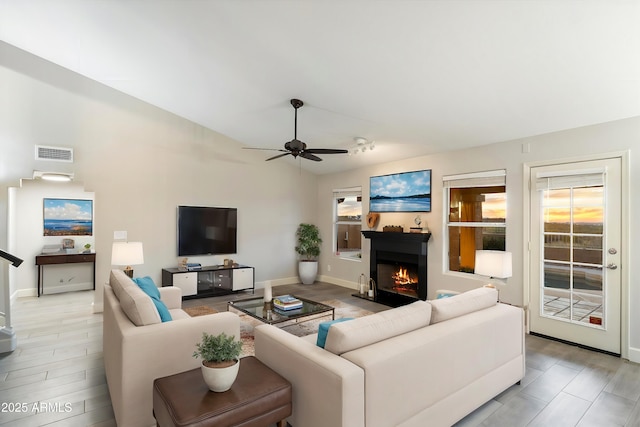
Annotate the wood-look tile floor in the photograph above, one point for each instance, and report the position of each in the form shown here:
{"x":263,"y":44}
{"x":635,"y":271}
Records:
{"x":56,"y":375}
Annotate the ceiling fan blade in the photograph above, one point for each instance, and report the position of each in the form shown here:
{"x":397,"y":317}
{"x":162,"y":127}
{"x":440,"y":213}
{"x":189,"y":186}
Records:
{"x":326,"y":151}
{"x":310,"y":156}
{"x":265,"y":149}
{"x":278,"y":156}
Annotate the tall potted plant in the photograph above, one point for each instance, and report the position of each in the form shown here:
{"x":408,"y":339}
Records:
{"x":220,"y":356}
{"x":308,"y":248}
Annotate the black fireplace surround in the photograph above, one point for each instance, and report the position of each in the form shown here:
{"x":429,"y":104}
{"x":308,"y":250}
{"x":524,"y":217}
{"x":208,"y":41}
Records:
{"x":403,"y":256}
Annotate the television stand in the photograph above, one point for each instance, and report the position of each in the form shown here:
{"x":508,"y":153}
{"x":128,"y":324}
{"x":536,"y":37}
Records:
{"x":210,"y":281}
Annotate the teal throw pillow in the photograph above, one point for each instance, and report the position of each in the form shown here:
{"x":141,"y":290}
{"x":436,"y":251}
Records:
{"x":163,"y":311}
{"x":444,"y":294}
{"x":150,"y":288}
{"x":323,"y":330}
{"x":147,"y":285}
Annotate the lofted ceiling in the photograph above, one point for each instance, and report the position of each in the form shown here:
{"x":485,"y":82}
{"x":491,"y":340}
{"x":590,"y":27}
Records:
{"x":416,"y":77}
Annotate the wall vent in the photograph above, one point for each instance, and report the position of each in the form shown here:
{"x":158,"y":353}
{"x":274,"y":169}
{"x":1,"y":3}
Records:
{"x":58,"y":154}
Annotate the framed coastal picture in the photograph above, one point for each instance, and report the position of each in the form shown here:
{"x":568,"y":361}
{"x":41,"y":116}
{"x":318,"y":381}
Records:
{"x":401,"y":192}
{"x":68,"y":217}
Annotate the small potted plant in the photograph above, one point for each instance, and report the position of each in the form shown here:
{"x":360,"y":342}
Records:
{"x":308,"y":248}
{"x":220,"y":356}
{"x":87,"y":248}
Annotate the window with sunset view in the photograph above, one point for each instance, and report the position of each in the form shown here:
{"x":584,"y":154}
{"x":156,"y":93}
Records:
{"x":476,"y":217}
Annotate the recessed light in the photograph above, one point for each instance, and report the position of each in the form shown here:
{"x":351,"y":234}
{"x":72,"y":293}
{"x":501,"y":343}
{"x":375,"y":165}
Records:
{"x":53,"y":176}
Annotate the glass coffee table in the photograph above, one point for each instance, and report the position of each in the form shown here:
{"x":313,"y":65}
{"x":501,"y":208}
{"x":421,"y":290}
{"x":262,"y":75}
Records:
{"x":266,"y":313}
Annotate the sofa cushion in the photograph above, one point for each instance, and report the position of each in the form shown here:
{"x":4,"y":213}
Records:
{"x":347,"y":336}
{"x":178,"y":314}
{"x":464,"y":303}
{"x":137,"y":305}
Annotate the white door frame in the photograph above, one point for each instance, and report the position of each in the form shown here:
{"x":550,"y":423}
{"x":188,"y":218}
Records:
{"x":624,"y":243}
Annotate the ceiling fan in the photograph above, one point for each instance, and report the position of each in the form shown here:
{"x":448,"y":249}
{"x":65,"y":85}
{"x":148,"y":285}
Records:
{"x":296,"y":148}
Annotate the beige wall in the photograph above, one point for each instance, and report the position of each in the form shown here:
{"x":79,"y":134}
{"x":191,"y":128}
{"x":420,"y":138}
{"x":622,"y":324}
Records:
{"x":141,"y":163}
{"x":618,"y":136}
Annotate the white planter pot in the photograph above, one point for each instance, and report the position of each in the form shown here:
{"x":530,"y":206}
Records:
{"x":220,"y":379}
{"x":308,"y":270}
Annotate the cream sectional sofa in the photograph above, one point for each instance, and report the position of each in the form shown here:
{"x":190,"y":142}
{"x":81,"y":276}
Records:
{"x":139,"y":348}
{"x":429,"y":363}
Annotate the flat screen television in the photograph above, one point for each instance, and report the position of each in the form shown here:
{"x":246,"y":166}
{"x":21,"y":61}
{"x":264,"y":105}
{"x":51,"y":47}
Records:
{"x":401,"y":192}
{"x":207,"y":230}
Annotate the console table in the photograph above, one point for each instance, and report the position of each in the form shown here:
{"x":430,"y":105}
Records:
{"x":62,"y":258}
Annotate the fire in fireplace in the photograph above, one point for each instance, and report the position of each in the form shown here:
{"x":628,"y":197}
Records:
{"x":398,"y":278}
{"x":403,"y":281}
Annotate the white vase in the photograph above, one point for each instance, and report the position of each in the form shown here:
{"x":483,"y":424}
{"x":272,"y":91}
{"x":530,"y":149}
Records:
{"x":308,"y":270}
{"x":220,"y":379}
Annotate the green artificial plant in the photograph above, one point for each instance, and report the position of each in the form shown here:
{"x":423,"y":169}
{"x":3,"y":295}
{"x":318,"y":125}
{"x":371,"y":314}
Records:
{"x":218,"y":351}
{"x":309,"y":241}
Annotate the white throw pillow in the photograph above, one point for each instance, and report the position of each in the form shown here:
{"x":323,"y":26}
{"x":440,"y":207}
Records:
{"x":464,"y":303}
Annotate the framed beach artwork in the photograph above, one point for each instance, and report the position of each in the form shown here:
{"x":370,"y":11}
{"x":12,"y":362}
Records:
{"x":68,"y":217}
{"x":401,"y":192}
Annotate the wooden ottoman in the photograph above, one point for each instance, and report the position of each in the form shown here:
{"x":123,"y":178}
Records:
{"x":258,"y":398}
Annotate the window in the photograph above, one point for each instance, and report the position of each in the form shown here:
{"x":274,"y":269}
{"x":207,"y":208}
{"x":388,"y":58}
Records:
{"x":347,"y":223}
{"x":476,"y":215}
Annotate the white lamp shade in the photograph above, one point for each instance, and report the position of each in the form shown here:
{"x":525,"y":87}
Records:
{"x":127,"y":253}
{"x":493,"y":264}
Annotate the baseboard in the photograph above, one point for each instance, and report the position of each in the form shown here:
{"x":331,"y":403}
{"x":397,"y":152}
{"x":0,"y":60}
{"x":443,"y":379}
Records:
{"x":634,"y":355}
{"x":339,"y":282}
{"x":277,"y":282}
{"x":22,"y":293}
{"x":296,"y":280}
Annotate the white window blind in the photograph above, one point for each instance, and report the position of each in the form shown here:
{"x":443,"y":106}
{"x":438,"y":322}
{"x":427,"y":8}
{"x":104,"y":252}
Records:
{"x":347,"y":192}
{"x":478,"y":179}
{"x":572,"y":179}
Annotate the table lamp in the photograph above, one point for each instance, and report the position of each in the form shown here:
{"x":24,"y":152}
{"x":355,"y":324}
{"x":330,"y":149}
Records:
{"x":495,"y":265}
{"x":128,"y":254}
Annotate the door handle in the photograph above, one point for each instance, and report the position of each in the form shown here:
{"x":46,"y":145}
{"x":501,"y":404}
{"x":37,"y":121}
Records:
{"x":611,"y":266}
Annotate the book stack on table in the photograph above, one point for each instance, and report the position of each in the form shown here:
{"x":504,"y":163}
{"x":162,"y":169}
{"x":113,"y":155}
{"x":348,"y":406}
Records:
{"x":286,"y":303}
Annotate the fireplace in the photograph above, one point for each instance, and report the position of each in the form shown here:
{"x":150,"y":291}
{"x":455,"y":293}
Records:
{"x":398,"y":266}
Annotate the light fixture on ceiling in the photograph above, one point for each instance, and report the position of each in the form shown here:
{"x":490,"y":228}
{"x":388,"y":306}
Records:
{"x":53,"y":176}
{"x":362,"y":145}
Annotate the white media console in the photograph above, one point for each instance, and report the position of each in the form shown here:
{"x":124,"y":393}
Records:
{"x":210,"y":281}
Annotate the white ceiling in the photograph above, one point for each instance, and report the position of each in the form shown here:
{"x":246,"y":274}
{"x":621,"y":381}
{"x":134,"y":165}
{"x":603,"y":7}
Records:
{"x":417,"y":77}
